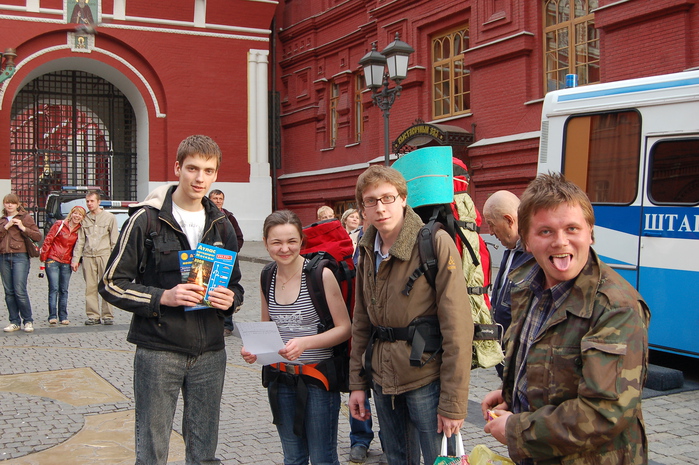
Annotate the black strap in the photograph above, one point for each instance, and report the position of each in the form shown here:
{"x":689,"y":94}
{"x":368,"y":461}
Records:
{"x":478,"y":290}
{"x":149,"y":242}
{"x":422,"y":334}
{"x":274,"y":378}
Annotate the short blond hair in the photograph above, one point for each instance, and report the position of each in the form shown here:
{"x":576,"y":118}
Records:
{"x":324,"y":210}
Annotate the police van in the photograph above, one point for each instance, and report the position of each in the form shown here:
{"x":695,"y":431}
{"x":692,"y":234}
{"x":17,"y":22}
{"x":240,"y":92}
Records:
{"x":633,"y":146}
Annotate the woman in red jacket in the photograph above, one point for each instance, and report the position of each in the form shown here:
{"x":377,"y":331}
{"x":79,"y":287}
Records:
{"x":57,"y":253}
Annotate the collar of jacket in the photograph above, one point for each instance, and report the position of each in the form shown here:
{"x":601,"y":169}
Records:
{"x":402,"y":249}
{"x":584,"y":290}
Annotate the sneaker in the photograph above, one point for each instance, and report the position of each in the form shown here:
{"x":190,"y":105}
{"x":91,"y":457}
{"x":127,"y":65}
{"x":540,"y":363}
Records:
{"x":65,"y":322}
{"x":358,"y":454}
{"x":53,"y":321}
{"x":92,"y":321}
{"x":28,"y":327}
{"x":227,"y":332}
{"x":108,"y":321}
{"x":11,"y":328}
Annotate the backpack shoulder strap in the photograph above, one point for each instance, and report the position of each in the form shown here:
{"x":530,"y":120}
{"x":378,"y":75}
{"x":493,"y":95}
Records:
{"x":428,"y":258}
{"x":266,"y":279}
{"x":313,"y":269}
{"x":151,"y":232}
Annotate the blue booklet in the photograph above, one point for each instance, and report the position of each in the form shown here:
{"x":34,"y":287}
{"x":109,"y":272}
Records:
{"x":207,"y":266}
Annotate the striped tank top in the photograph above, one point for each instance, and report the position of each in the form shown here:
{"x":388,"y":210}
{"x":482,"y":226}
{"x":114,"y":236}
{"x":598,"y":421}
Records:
{"x":297,"y":319}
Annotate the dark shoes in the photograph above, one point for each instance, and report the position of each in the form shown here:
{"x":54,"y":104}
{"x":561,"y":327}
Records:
{"x":358,"y":454}
{"x":227,"y":332}
{"x":92,"y":321}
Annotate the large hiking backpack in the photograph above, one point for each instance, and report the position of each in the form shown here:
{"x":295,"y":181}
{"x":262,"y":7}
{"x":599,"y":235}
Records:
{"x":327,"y":245}
{"x":458,"y":215}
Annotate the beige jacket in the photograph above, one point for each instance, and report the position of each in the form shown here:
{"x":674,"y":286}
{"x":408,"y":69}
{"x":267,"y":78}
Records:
{"x":380,"y":302}
{"x":97,"y":236}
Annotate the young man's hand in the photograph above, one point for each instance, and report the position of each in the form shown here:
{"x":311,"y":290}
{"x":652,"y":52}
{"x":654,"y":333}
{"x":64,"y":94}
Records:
{"x":186,"y":294}
{"x":221,"y":298}
{"x":356,"y":406}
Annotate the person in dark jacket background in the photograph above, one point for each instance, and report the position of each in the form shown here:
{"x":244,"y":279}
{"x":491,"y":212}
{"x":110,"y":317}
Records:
{"x":500,"y":212}
{"x":57,"y":254}
{"x":176,"y":349}
{"x":217,"y":197}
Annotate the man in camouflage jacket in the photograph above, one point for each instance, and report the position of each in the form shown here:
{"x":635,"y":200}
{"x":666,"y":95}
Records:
{"x":577,"y":348}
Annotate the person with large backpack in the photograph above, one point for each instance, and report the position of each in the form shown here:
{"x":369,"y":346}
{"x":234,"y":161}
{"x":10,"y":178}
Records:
{"x":304,"y":393}
{"x":413,"y":351}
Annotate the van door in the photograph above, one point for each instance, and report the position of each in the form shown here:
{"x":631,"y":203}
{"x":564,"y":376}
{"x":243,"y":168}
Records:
{"x":668,"y":272}
{"x":601,"y":154}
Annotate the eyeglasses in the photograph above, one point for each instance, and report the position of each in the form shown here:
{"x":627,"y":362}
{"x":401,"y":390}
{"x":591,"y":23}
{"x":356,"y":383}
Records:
{"x":386,"y":199}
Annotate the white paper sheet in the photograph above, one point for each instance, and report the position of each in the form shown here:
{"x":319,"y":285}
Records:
{"x":262,"y":338}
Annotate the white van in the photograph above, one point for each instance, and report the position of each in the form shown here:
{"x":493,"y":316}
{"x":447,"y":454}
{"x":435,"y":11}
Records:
{"x":633,"y":146}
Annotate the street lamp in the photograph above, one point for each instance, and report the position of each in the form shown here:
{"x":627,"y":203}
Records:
{"x":395,"y":56}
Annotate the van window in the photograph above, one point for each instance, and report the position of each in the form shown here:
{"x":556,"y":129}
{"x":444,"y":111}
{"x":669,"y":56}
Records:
{"x":601,"y":155}
{"x":674,"y":172}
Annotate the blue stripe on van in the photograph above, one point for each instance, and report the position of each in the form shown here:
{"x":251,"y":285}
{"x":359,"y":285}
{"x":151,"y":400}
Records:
{"x":619,"y":218}
{"x":629,"y":89}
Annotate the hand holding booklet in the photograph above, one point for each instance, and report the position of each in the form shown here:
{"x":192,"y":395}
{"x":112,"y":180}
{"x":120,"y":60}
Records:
{"x":207,"y":266}
{"x":262,"y":338}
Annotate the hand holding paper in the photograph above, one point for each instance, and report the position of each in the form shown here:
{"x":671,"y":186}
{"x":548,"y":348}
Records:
{"x":262,"y":339}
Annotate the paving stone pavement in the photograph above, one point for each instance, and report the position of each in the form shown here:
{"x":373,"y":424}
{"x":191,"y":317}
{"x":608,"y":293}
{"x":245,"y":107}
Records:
{"x":36,"y":421}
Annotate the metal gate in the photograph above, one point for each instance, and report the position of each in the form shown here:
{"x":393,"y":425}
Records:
{"x":71,"y":128}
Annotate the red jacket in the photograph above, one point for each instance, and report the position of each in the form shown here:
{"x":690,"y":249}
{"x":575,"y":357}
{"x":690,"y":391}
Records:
{"x":59,"y":243}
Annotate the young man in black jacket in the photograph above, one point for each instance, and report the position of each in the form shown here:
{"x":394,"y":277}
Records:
{"x":177,"y":349}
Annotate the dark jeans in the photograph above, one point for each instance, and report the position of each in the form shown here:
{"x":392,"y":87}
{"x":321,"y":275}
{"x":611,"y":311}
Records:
{"x":58,"y":275}
{"x":319,"y":441}
{"x":159,"y":376}
{"x":409,"y":424}
{"x":14,"y":271}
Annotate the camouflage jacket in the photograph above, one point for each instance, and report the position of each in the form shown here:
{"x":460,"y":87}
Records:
{"x":585,"y":371}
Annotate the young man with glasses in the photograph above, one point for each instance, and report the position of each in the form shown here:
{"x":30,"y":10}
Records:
{"x":415,"y":402}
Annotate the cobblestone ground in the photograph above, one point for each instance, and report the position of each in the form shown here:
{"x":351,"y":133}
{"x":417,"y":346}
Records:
{"x":31,"y":423}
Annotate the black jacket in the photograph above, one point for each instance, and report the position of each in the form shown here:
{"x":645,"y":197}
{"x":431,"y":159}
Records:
{"x":156,"y":326}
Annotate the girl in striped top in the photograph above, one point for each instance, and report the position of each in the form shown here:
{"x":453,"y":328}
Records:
{"x":292,"y":310}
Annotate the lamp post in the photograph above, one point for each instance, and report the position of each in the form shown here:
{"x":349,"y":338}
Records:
{"x":395,"y":56}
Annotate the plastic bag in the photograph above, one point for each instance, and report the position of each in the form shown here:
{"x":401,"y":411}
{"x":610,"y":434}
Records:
{"x":459,"y":459}
{"x":481,"y":455}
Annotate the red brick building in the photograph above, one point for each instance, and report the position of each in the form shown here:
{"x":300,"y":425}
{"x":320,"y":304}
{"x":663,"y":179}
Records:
{"x":105,"y":96}
{"x":479,"y":73}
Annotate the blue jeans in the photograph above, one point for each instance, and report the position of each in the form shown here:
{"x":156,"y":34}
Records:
{"x":360,"y":431}
{"x":158,"y":378}
{"x":410,"y":421}
{"x":319,"y":441}
{"x":14,"y":270}
{"x":58,"y":275}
